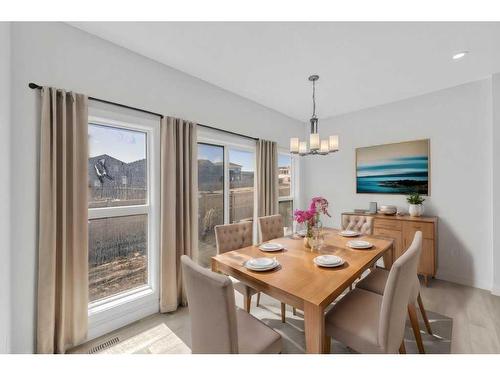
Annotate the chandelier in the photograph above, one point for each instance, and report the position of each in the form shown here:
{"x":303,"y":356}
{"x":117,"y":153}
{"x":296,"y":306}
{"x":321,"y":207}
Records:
{"x":317,"y":146}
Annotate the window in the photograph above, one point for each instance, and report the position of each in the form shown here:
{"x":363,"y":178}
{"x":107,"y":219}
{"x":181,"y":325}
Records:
{"x":285,"y":188}
{"x":241,"y":185}
{"x":210,"y":198}
{"x":123,"y":243}
{"x":118,"y":255}
{"x":226,"y":183}
{"x":226,"y":179}
{"x":115,"y":156}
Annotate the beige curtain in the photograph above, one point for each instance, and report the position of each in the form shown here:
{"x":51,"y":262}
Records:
{"x":267,"y":178}
{"x":179,"y":207}
{"x":62,"y":242}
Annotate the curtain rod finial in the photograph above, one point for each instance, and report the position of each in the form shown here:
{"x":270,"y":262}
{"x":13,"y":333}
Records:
{"x":32,"y":85}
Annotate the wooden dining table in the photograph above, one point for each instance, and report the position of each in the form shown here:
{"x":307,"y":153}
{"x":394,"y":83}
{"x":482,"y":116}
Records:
{"x":299,"y":282}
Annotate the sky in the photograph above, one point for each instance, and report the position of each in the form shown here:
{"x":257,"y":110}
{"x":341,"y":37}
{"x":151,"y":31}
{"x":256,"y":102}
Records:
{"x":244,"y":158}
{"x":384,"y":153}
{"x":124,"y":145}
{"x":130,"y":145}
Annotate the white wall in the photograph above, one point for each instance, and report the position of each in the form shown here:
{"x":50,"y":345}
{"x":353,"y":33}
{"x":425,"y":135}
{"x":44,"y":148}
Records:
{"x":458,"y":122}
{"x":4,"y":184}
{"x":496,"y":182}
{"x":58,"y":55}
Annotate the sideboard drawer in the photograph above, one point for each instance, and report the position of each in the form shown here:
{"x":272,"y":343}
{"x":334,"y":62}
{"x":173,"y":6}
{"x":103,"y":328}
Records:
{"x":410,"y":227}
{"x":387,"y":224}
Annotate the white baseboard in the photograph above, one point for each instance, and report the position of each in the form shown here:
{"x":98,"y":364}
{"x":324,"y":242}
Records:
{"x":495,"y":290}
{"x":454,"y":278}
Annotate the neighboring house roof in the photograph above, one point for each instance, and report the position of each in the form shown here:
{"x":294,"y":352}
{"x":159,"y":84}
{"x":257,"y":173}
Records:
{"x":231,"y":165}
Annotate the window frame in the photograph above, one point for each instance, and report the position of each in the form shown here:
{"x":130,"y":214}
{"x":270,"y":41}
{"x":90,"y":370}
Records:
{"x":214,"y":138}
{"x":254,"y":152}
{"x":292,"y":196}
{"x":224,"y":172}
{"x":146,"y":296}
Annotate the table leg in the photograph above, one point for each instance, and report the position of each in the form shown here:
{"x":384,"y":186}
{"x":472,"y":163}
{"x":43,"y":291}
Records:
{"x":314,"y":324}
{"x":388,"y":258}
{"x":213,"y":263}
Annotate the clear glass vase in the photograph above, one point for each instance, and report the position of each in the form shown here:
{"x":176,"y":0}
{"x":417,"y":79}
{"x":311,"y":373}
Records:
{"x":314,"y":239}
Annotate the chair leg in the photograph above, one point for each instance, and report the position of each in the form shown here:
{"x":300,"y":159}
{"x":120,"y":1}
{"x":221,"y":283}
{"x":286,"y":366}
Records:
{"x":412,"y":312}
{"x":424,"y":314}
{"x":426,"y":281}
{"x":247,"y":301}
{"x":327,"y":345}
{"x":294,"y":310}
{"x":283,"y":310}
{"x":402,"y":349}
{"x":258,"y":299}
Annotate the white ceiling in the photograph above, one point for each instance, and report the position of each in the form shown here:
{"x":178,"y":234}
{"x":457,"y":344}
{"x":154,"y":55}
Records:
{"x":360,"y":64}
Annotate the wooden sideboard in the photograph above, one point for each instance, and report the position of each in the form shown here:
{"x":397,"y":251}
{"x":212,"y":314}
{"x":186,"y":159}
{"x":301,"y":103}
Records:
{"x":402,"y":230}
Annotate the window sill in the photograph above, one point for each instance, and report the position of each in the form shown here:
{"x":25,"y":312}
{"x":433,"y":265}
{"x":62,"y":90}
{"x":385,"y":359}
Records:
{"x":118,"y":300}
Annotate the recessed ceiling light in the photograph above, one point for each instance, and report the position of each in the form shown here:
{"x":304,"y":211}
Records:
{"x":460,"y":55}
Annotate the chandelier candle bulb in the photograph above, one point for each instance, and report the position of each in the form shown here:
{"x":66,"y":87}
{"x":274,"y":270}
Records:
{"x":324,"y":149}
{"x":314,"y":141}
{"x":302,"y":148}
{"x":334,"y":142}
{"x":294,"y":145}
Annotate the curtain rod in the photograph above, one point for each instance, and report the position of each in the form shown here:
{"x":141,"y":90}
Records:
{"x":34,"y":86}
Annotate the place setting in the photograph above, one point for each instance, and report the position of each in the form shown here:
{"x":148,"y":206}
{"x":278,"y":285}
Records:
{"x":261,"y":264}
{"x":359,"y":244}
{"x":271,"y":247}
{"x":328,"y":261}
{"x":349,"y":233}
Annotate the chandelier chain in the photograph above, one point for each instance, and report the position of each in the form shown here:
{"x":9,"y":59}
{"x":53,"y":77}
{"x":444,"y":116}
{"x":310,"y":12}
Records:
{"x":314,"y":98}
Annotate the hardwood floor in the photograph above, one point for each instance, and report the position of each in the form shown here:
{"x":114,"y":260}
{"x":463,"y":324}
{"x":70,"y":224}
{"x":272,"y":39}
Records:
{"x":475,"y":314}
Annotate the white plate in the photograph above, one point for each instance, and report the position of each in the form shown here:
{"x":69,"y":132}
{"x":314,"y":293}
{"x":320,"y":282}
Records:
{"x":260,"y":262}
{"x":349,"y":233}
{"x":328,"y":259}
{"x":274,"y":263}
{"x":271,"y":246}
{"x":359,"y":244}
{"x":318,"y":262}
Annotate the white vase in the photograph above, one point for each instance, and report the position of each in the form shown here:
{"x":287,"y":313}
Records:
{"x":416,"y":209}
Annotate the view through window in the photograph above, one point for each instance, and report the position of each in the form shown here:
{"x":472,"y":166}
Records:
{"x":222,"y":167}
{"x":118,"y":210}
{"x":210,"y":198}
{"x":285,"y":190}
{"x":241,"y":185}
{"x":216,"y":205}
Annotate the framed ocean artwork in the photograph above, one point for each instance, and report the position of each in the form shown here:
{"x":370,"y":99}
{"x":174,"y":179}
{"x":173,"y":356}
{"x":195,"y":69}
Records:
{"x":395,"y":168}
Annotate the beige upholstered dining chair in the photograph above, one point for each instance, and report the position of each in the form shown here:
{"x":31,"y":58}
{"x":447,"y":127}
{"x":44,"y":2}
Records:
{"x":217,"y":325}
{"x":370,"y":323}
{"x":271,"y":227}
{"x":359,"y":223}
{"x":376,"y":281}
{"x":231,"y":237}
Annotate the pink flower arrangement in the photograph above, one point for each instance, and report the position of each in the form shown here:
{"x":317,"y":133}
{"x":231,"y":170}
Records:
{"x":319,"y":205}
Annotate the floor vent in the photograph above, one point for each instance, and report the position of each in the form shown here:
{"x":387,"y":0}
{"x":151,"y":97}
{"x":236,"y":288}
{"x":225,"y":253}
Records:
{"x":104,"y":345}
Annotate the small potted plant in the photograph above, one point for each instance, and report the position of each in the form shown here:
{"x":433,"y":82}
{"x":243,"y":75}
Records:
{"x":415,"y":201}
